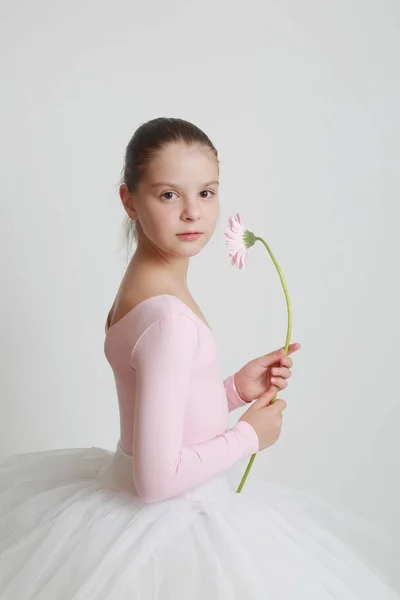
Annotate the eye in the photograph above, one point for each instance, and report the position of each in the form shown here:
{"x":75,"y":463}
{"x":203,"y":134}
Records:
{"x":165,"y":193}
{"x":211,"y":192}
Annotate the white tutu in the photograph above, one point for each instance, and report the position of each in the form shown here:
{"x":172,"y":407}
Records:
{"x":72,"y":528}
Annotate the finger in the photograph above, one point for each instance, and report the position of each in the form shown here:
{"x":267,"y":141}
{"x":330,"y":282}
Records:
{"x":269,"y":359}
{"x":281,"y":372}
{"x":279,"y":382}
{"x":266,"y":397}
{"x":292,"y":348}
{"x":279,"y":405}
{"x":286,"y":361}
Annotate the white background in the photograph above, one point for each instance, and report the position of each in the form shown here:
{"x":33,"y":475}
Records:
{"x":301,"y":100}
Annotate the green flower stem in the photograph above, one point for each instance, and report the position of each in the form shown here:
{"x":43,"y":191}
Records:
{"x":288,"y":335}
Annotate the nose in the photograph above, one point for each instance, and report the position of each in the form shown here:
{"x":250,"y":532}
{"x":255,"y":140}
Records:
{"x":191,"y":211}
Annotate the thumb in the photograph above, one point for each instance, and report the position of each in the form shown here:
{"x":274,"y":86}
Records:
{"x":266,"y":397}
{"x":269,"y":359}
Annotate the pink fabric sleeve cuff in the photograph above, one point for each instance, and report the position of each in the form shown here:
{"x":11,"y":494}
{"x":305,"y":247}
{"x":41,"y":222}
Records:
{"x":234,"y":400}
{"x":250,"y":437}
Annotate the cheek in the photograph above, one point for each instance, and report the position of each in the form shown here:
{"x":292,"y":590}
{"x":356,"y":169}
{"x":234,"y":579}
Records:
{"x":213,"y":215}
{"x":159,"y":223}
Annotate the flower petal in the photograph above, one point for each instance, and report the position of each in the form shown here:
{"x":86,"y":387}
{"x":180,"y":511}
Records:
{"x":234,"y":240}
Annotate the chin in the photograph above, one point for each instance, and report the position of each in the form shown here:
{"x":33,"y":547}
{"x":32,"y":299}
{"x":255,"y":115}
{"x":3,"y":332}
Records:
{"x":189,"y":252}
{"x":189,"y":249}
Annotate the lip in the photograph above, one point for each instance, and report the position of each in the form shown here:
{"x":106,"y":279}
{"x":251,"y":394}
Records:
{"x":190,"y":235}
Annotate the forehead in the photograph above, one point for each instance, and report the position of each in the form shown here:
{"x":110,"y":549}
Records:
{"x":181,"y":162}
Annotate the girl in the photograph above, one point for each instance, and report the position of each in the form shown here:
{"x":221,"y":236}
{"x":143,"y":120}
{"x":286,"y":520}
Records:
{"x":158,"y":519}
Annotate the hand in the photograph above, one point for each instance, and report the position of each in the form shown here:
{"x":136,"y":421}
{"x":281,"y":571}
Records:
{"x":266,"y":419}
{"x":257,"y":376}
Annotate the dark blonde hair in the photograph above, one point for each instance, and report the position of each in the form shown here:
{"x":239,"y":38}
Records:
{"x":147,"y":140}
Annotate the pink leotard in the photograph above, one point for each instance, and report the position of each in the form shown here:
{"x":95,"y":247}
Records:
{"x":173,"y":403}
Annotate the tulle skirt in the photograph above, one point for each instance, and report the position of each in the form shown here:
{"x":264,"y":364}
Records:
{"x":73,"y":528}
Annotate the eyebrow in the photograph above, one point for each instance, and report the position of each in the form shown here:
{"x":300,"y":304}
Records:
{"x":166,"y":184}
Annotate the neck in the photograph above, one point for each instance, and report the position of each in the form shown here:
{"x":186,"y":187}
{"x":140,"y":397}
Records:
{"x":173,"y":270}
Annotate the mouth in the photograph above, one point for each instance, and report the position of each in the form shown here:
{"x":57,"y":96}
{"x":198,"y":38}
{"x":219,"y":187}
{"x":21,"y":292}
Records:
{"x":190,"y":235}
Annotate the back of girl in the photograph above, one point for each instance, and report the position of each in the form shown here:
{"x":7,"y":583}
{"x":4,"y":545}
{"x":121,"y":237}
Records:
{"x":160,"y":517}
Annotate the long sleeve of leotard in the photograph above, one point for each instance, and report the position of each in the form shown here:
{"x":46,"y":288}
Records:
{"x":163,"y":358}
{"x":232,"y":396}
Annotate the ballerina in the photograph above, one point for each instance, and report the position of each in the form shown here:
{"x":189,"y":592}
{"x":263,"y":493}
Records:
{"x":159,"y":518}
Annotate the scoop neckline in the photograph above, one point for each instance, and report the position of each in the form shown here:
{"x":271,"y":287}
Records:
{"x":133,"y":309}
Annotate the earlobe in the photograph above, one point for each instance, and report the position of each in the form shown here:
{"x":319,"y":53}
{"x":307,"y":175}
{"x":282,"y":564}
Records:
{"x":128,"y":202}
{"x":130,"y":208}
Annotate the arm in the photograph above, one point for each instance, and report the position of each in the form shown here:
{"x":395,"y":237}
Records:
{"x":163,"y":467}
{"x":234,"y":400}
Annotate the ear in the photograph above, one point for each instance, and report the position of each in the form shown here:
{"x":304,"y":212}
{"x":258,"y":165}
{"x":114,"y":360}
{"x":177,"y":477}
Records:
{"x":127,"y":200}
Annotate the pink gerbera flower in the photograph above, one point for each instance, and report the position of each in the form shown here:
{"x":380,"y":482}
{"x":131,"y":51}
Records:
{"x":238,"y":241}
